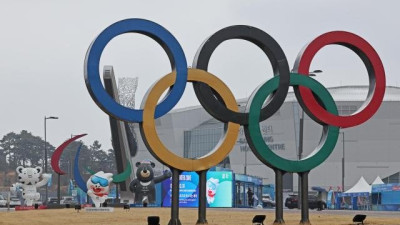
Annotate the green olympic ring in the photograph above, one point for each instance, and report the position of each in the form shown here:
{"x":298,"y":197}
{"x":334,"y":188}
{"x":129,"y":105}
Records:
{"x":254,"y":138}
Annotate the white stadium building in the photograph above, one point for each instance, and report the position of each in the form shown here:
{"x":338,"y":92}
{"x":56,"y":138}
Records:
{"x":371,"y":149}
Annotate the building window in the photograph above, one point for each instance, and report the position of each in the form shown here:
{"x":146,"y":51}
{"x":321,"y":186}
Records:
{"x":346,"y":109}
{"x":201,"y":140}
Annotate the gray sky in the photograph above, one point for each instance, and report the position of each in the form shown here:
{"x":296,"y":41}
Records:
{"x":43,"y":45}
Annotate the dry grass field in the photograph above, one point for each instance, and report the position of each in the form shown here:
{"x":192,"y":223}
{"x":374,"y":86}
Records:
{"x":187,"y":216}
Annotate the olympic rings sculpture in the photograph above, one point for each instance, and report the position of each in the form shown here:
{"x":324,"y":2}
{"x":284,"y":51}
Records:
{"x":218,"y":101}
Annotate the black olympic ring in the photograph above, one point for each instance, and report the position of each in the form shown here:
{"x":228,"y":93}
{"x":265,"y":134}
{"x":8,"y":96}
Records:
{"x":274,"y":53}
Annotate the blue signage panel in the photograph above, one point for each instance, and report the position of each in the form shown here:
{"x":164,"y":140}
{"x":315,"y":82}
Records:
{"x":366,"y":194}
{"x":188,"y":190}
{"x":385,"y":187}
{"x":250,"y":179}
{"x":219,"y":189}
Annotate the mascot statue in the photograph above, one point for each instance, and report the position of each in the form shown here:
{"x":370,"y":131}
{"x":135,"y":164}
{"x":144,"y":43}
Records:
{"x":29,"y":181}
{"x":98,"y":187}
{"x":144,"y":184}
{"x":98,"y":184}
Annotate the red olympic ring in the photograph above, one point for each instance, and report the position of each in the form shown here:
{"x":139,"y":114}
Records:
{"x":375,"y":70}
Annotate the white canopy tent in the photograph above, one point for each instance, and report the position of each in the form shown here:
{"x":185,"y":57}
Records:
{"x":361,"y":186}
{"x":359,"y":195}
{"x":377,"y":180}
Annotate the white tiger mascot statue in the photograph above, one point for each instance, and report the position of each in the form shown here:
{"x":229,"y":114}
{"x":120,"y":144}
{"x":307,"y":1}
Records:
{"x":29,"y":180}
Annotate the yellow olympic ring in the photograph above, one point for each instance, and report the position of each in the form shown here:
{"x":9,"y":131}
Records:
{"x":160,"y":151}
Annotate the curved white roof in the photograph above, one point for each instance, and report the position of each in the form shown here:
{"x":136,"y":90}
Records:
{"x":355,"y":93}
{"x":342,"y":93}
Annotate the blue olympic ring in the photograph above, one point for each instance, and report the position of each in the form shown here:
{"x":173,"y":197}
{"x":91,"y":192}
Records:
{"x":161,"y":36}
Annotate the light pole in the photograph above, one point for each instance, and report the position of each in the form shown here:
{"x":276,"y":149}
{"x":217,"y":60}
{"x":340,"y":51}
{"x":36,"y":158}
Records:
{"x":45,"y":149}
{"x":313,"y":73}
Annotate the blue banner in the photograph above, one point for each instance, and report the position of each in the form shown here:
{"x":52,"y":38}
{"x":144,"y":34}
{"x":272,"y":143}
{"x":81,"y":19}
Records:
{"x":365,"y":194}
{"x":188,"y":190}
{"x":329,"y":200}
{"x":385,"y":187}
{"x":219,"y":189}
{"x":50,"y":180}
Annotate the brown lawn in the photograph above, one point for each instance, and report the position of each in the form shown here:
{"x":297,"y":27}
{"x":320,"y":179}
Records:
{"x":187,"y":216}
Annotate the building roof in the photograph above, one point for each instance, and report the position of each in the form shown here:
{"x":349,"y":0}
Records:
{"x":355,"y":93}
{"x":342,"y":93}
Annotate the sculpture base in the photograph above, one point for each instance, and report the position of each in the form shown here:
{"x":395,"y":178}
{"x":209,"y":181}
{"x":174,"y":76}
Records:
{"x":30,"y":207}
{"x":279,"y":222}
{"x":101,"y":209}
{"x":201,"y":222}
{"x":305,"y":223}
{"x":6,"y":209}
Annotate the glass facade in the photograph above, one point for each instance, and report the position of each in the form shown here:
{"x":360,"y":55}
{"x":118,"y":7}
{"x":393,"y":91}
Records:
{"x":201,"y":140}
{"x":347,"y":109}
{"x":394,"y":178}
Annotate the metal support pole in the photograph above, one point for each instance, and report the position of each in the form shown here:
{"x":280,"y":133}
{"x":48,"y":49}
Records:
{"x":58,"y":188}
{"x":8,"y":201}
{"x":343,"y":163}
{"x":202,"y":198}
{"x":279,"y":197}
{"x":299,"y":197}
{"x":175,"y":198}
{"x":245,"y":160}
{"x":304,"y":195}
{"x":116,"y":194}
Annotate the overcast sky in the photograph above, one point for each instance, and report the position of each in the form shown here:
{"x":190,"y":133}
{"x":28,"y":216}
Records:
{"x":43,"y":46}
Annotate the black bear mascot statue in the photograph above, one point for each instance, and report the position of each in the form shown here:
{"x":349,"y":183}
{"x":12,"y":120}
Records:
{"x":144,"y":184}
